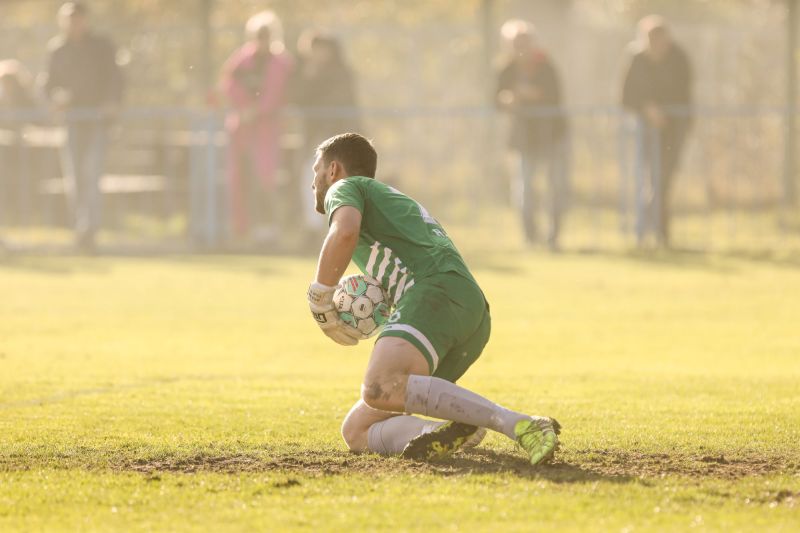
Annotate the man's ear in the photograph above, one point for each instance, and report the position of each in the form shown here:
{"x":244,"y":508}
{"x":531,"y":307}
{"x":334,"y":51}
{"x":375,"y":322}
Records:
{"x":335,"y":171}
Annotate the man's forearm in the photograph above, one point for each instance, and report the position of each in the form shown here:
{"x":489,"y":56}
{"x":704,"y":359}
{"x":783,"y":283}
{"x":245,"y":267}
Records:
{"x":335,"y":255}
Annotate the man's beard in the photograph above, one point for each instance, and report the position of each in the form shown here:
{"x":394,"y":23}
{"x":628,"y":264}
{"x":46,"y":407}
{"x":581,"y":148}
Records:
{"x":319,"y":200}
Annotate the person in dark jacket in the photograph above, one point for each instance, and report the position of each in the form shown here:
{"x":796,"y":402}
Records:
{"x":529,"y":89}
{"x":84,"y":83}
{"x":325,"y":92}
{"x":657,"y":88}
{"x":325,"y":84}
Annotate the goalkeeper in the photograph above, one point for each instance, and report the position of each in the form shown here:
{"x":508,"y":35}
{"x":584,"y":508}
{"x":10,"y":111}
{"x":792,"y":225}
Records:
{"x":439,"y":326}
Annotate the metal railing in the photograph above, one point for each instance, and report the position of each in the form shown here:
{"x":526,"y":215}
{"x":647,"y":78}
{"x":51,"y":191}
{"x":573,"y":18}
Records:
{"x":165,"y":180}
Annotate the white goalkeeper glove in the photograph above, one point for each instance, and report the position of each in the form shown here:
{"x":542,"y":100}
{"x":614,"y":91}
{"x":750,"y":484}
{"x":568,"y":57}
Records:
{"x":320,"y":300}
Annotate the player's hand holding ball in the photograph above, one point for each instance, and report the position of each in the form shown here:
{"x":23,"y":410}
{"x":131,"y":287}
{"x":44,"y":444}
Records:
{"x":320,"y":300}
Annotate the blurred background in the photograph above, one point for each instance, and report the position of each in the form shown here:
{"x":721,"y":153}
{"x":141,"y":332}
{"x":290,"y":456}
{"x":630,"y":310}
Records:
{"x":577,"y":125}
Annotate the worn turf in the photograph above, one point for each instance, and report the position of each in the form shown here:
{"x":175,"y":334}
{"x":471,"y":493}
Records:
{"x":196,"y":394}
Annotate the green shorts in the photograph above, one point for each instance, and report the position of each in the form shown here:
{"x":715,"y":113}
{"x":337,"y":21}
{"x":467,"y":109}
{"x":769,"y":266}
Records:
{"x":445,"y":317}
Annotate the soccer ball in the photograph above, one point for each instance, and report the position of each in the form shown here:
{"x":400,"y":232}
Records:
{"x":362,"y":303}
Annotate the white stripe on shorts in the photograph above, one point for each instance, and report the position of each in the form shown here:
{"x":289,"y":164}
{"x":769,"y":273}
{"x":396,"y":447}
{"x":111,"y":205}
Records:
{"x":417,"y":334}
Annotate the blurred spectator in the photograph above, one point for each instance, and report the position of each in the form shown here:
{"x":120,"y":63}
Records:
{"x":657,"y":88}
{"x":15,"y":87}
{"x":255,"y":79}
{"x":18,"y":104}
{"x":84,"y":82}
{"x":324,"y":89}
{"x":529,"y":89}
{"x":16,"y":99}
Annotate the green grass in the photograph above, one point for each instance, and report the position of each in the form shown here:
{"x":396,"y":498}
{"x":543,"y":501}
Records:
{"x":196,"y":394}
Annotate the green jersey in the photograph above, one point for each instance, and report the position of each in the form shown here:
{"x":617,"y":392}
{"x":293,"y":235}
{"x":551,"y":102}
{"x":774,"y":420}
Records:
{"x":399,"y":241}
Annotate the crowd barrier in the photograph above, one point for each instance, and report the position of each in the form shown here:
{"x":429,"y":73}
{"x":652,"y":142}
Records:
{"x":165,"y":179}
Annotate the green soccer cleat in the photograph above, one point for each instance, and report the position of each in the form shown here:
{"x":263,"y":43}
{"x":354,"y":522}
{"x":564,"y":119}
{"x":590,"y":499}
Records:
{"x":440,"y":442}
{"x":538,"y":437}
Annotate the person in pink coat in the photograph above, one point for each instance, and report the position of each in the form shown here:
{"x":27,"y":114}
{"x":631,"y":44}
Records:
{"x":254,"y":80}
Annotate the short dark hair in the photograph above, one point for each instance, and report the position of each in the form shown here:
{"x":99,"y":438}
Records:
{"x":353,"y":151}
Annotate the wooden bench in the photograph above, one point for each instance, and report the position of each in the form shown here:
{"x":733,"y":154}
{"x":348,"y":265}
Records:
{"x":112,"y":184}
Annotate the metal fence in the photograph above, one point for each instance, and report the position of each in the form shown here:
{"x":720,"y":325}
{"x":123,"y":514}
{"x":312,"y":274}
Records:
{"x":165,"y":186}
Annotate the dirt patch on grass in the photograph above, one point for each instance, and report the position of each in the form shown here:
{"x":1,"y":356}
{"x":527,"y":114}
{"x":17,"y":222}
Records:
{"x":307,"y":463}
{"x":650,"y":465}
{"x":574,"y":466}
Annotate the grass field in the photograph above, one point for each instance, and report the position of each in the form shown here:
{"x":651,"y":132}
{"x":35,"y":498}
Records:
{"x":196,"y":394}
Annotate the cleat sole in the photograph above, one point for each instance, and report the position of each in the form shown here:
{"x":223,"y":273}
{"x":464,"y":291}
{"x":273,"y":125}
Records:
{"x":439,"y":443}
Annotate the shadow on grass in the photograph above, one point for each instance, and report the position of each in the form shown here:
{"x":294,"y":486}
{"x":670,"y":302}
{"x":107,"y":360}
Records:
{"x":64,"y":264}
{"x":786,"y":259}
{"x":515,"y":261}
{"x":571,"y":466}
{"x":481,"y":461}
{"x":721,"y":261}
{"x":508,"y":261}
{"x":332,"y":463}
{"x":52,"y":265}
{"x":672,"y":259}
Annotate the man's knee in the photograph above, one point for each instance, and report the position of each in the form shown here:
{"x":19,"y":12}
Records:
{"x":384,"y":394}
{"x":354,"y":435}
{"x":393,"y":360}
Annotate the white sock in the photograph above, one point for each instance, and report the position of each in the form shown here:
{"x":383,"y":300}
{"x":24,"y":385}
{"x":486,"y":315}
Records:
{"x":441,"y":399}
{"x":391,"y":436}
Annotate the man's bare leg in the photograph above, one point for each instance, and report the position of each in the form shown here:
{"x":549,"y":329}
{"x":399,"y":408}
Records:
{"x":362,"y":416}
{"x":355,"y":428}
{"x":368,"y":429}
{"x":397,"y":380}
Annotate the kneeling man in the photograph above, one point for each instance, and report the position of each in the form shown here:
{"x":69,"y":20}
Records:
{"x":439,"y":326}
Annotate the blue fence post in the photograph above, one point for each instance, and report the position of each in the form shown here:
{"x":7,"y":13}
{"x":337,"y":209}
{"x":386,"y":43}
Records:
{"x":195,"y":184}
{"x":639,"y":177}
{"x":624,"y":172}
{"x":210,"y":189}
{"x":708,"y":186}
{"x":656,"y":211}
{"x":3,"y":185}
{"x":25,"y":181}
{"x":204,"y":219}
